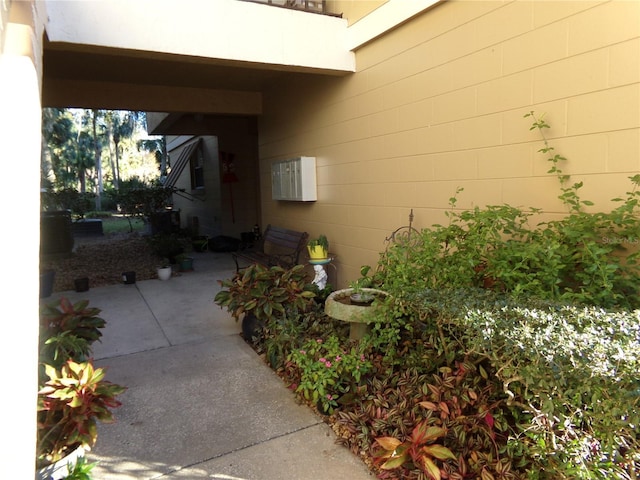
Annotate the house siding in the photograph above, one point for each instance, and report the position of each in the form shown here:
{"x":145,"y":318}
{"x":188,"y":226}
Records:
{"x":222,"y":208}
{"x":206,"y":204}
{"x":438,"y":103}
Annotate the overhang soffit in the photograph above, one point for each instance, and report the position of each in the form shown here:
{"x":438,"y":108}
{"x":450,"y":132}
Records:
{"x":221,"y":29}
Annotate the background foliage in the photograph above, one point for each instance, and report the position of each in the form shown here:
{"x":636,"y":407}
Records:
{"x":92,"y":151}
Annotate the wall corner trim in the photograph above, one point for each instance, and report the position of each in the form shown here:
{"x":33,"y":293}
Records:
{"x":386,"y":17}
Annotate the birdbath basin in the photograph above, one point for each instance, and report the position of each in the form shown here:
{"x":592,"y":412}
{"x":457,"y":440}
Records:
{"x":338,"y":305}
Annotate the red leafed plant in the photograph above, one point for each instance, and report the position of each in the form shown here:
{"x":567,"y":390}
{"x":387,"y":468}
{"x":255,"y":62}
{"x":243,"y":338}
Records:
{"x":69,"y":405}
{"x":418,"y":448}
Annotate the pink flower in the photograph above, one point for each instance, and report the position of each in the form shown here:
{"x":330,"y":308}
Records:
{"x":329,"y":396}
{"x":322,"y":360}
{"x":362,"y":357}
{"x":338,"y":358}
{"x":303,"y":352}
{"x":328,"y":364}
{"x":319,"y":340}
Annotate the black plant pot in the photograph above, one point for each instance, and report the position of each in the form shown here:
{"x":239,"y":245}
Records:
{"x":251,"y":328}
{"x":129,"y":278}
{"x":81,"y":284}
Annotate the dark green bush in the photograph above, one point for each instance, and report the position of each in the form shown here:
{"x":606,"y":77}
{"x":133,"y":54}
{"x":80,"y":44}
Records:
{"x":78,"y":203}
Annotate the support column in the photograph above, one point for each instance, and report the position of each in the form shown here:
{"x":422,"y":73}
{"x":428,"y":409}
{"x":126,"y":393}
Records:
{"x":20,"y":141}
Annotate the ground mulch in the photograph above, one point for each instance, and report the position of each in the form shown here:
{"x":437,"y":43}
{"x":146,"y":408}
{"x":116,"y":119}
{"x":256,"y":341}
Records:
{"x":102,"y":259}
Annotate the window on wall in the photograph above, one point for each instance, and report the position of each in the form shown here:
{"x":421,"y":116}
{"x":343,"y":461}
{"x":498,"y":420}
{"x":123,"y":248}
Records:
{"x":197,"y":168}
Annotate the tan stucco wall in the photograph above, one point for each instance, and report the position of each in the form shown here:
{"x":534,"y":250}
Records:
{"x":438,"y":103}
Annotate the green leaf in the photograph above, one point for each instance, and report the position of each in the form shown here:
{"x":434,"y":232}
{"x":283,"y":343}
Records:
{"x":440,"y":452}
{"x":431,"y":469}
{"x":395,"y":462}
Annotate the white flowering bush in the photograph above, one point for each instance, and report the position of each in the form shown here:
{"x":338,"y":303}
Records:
{"x":569,"y":372}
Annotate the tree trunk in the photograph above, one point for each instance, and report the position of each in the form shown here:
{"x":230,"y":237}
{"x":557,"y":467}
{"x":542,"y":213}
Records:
{"x":163,"y":158}
{"x":98,"y":157}
{"x":116,"y":170}
{"x":82,"y":177}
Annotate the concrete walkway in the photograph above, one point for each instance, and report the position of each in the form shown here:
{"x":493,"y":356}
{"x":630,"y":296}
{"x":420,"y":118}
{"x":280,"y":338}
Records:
{"x":200,"y":403}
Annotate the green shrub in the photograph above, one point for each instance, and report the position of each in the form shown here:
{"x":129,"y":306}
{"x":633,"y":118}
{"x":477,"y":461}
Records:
{"x":568,"y":372}
{"x":265,"y":292}
{"x":329,"y":368}
{"x":588,"y":258}
{"x":68,"y":199}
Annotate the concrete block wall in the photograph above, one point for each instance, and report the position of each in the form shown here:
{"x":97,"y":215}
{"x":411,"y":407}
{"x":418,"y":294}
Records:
{"x":438,"y":103}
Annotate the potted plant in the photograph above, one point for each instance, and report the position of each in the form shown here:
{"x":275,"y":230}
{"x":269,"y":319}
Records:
{"x":185,"y":262}
{"x":258,"y":293}
{"x":200,"y":243}
{"x":164,"y":271}
{"x":73,"y":395}
{"x":318,"y":248}
{"x":70,"y":403}
{"x":67,"y":331}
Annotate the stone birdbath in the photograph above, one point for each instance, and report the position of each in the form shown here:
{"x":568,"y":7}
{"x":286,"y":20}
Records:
{"x":339,"y":306}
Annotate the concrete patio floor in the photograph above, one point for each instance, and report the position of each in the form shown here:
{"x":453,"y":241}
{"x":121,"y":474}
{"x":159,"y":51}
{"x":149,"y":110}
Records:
{"x":200,"y":403}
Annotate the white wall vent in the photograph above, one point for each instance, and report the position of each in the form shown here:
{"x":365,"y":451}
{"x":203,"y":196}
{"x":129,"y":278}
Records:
{"x":294,"y":179}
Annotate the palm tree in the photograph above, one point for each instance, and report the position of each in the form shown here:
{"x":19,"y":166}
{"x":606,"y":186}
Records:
{"x":122,"y":126}
{"x":157,"y":146}
{"x":59,"y":148}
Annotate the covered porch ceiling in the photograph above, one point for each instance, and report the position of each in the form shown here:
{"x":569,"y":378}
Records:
{"x":202,"y":59}
{"x":97,"y":77}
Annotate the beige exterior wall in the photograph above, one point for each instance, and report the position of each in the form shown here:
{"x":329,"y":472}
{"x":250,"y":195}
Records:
{"x":353,"y":10}
{"x":438,"y":104}
{"x":222,"y":208}
{"x":204,"y":204}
